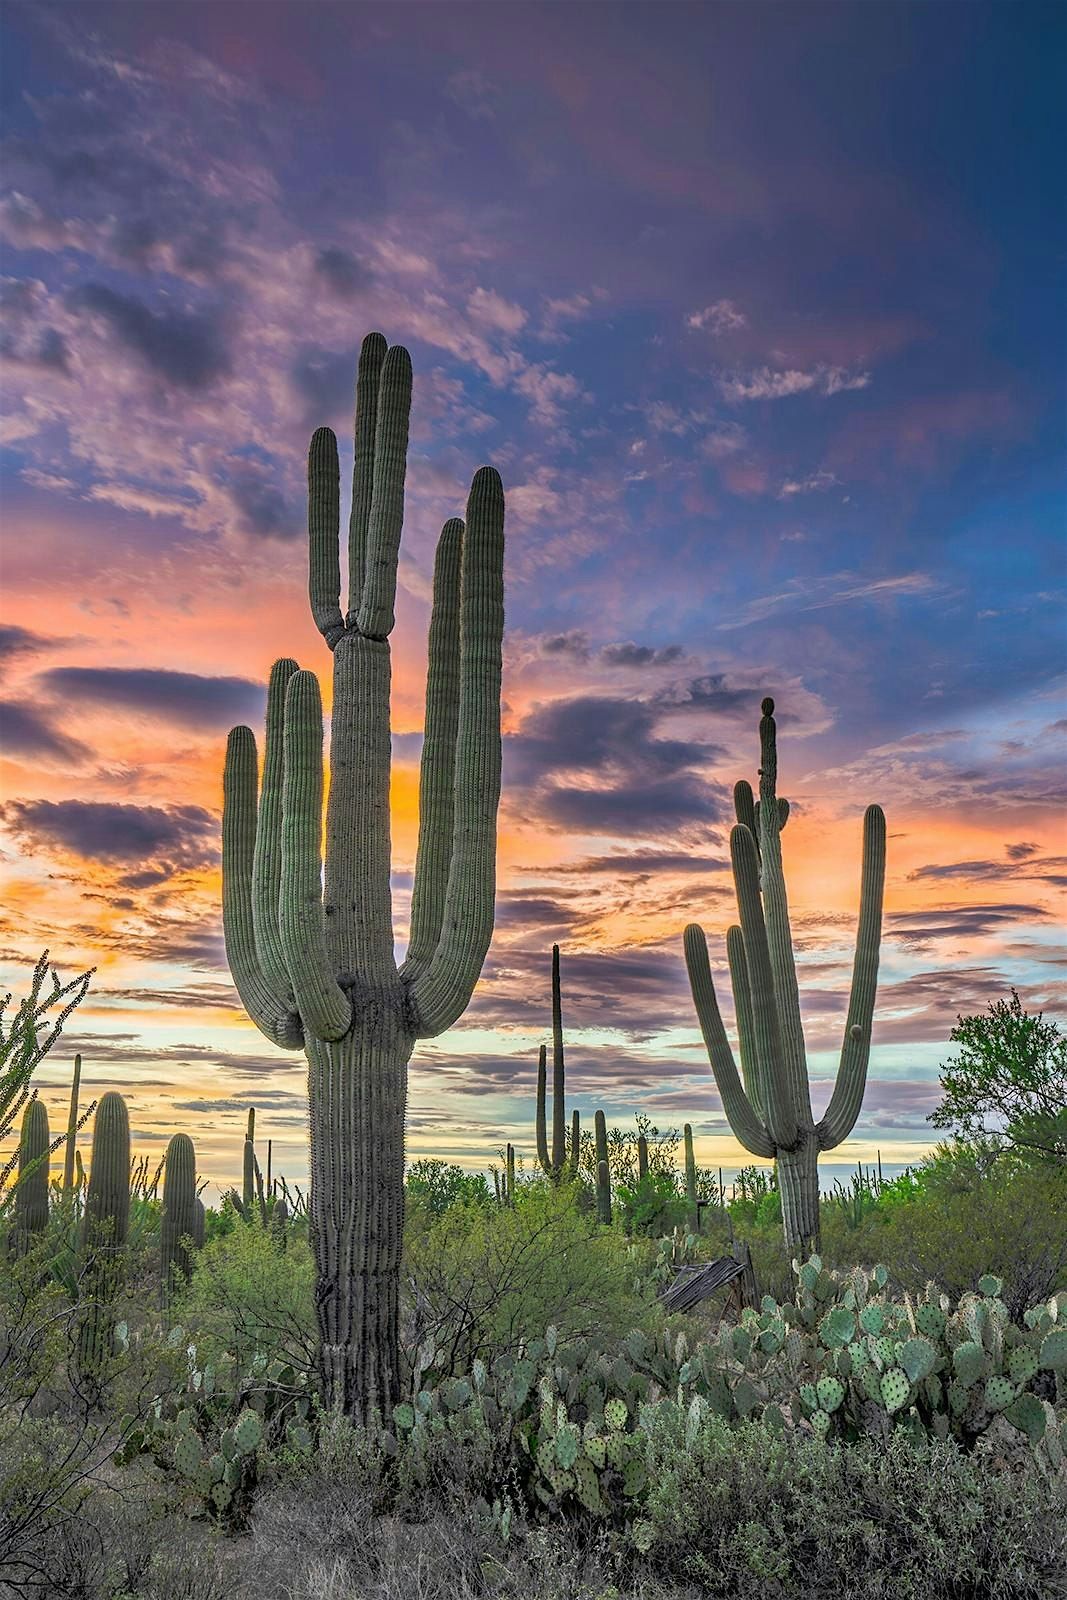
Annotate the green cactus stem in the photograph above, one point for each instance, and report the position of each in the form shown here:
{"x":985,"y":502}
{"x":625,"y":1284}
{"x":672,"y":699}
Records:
{"x":642,"y":1157}
{"x":314,"y":963}
{"x":603,"y":1171}
{"x":72,"y":1127}
{"x":509,"y":1175}
{"x":103,"y":1234}
{"x":248,"y":1161}
{"x":179,"y":1215}
{"x":770,"y":1113}
{"x":691,"y":1191}
{"x":556,"y":1162}
{"x":31,"y":1192}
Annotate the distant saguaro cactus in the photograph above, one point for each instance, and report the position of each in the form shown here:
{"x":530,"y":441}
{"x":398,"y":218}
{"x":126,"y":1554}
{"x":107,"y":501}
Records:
{"x":603,"y":1171}
{"x":317,"y":970}
{"x":103,"y":1235}
{"x":180,"y":1220}
{"x":556,"y":1161}
{"x":771,"y":1115}
{"x":31,"y":1195}
{"x":692,"y":1192}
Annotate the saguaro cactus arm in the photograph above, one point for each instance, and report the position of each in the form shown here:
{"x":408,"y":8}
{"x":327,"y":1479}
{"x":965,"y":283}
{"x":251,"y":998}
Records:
{"x":845,"y":1102}
{"x":437,"y":772}
{"x":746,"y":1037}
{"x":267,"y":860}
{"x":540,"y":1115}
{"x":324,"y":528}
{"x":368,"y":379}
{"x":775,"y":1090}
{"x":386,"y":520}
{"x":240,"y":793}
{"x":323,"y":1005}
{"x":740,"y":1114}
{"x":441,"y":993}
{"x":775,"y":916}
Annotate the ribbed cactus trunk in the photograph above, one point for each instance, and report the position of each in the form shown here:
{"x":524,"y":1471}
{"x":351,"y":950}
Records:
{"x":180,"y":1220}
{"x":603,"y":1171}
{"x":31,"y":1193}
{"x":771,"y":1113}
{"x":103,"y":1236}
{"x":642,"y":1157}
{"x":315,"y":967}
{"x":691,"y":1192}
{"x":72,"y":1127}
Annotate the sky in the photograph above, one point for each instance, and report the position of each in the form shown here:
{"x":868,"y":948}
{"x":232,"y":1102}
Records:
{"x":759,"y":311}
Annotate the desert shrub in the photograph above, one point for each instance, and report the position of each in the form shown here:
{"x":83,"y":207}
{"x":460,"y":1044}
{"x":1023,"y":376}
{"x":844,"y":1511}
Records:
{"x":482,"y":1280}
{"x":728,"y":1507}
{"x":435,"y":1186}
{"x":958,"y":1217}
{"x":652,"y":1206}
{"x":249,"y":1297}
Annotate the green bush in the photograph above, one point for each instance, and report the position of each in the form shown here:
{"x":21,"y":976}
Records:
{"x":482,"y":1280}
{"x":957,"y":1217}
{"x":653,"y":1206}
{"x":249,"y":1297}
{"x":434,"y":1186}
{"x":733,"y":1507}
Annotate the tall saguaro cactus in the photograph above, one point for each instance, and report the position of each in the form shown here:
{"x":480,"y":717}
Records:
{"x":180,"y":1220}
{"x":315,"y":967}
{"x":771,"y":1113}
{"x":31,"y":1195}
{"x":555,"y":1160}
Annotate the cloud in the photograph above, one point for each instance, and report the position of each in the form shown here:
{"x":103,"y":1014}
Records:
{"x":815,"y":482}
{"x":166,"y":838}
{"x":346,"y":274}
{"x":186,"y":349}
{"x":491,"y":310}
{"x":918,"y":929}
{"x":325,"y":380}
{"x":473,"y":93}
{"x":183,"y":697}
{"x":831,"y":589}
{"x":629,"y":654}
{"x":722,"y":317}
{"x":595,"y":764}
{"x":725,"y":439}
{"x":573,"y":644}
{"x":1048,"y":869}
{"x":767,"y":384}
{"x":712,"y":692}
{"x":26,"y":731}
{"x":18,"y":641}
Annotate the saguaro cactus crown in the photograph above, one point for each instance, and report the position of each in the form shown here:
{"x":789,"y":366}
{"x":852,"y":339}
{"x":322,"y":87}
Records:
{"x":771,"y":1113}
{"x":316,"y":969}
{"x":556,"y":1160}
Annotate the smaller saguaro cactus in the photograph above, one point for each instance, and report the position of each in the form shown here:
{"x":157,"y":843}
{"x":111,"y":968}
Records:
{"x":556,"y":1162}
{"x":104,"y":1227}
{"x":603,"y":1172}
{"x":248,"y":1170}
{"x":72,"y":1127}
{"x":770,"y":1110}
{"x":691,"y":1191}
{"x":179,"y":1222}
{"x":31,"y":1195}
{"x":642,"y":1157}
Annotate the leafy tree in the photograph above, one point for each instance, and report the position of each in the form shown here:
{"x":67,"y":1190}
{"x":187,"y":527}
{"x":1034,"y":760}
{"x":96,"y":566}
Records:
{"x":1007,"y":1088}
{"x":436,"y":1186}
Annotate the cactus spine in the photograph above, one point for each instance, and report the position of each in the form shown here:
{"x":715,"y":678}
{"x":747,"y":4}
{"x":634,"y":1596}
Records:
{"x":691,"y":1191}
{"x":603,"y":1172}
{"x":31,"y":1193}
{"x":317,"y":970}
{"x":771,"y":1113}
{"x":180,"y":1220}
{"x":556,"y":1161}
{"x":104,"y":1225}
